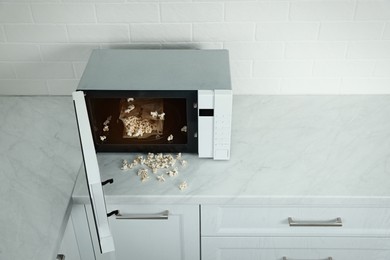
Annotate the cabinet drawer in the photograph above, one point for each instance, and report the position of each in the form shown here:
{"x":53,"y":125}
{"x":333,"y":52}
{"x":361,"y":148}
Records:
{"x":274,"y":221}
{"x":295,"y":248}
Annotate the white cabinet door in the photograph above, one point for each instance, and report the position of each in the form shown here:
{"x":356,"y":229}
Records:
{"x":150,"y":232}
{"x":93,"y":174}
{"x":295,"y":248}
{"x":69,"y":247}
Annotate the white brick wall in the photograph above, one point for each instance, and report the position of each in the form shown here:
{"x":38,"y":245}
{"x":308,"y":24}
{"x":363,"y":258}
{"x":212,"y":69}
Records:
{"x":256,"y":11}
{"x":128,"y":13}
{"x":63,"y":13}
{"x":192,"y":12}
{"x":44,"y":70}
{"x":373,"y":10}
{"x":6,"y":71}
{"x":276,"y":47}
{"x":19,"y":52}
{"x":35,"y":33}
{"x":382,"y":68}
{"x":346,"y":31}
{"x":98,"y":33}
{"x":324,"y":10}
{"x":67,"y":52}
{"x":340,"y":68}
{"x":287,"y":31}
{"x":160,"y":32}
{"x":2,"y":35}
{"x":15,"y":13}
{"x":224,"y":31}
{"x":316,"y":50}
{"x":282,"y":68}
{"x":255,"y":50}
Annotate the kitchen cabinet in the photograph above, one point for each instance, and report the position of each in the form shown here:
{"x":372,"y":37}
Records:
{"x":69,"y":249}
{"x":246,"y":232}
{"x":264,"y":232}
{"x":294,"y":248}
{"x":147,"y":232}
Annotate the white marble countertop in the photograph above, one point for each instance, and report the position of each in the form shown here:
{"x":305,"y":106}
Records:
{"x":304,"y":149}
{"x":39,"y":158}
{"x":336,"y":148}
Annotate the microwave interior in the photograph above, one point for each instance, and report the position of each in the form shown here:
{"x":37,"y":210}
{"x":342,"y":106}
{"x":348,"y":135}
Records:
{"x":143,"y":121}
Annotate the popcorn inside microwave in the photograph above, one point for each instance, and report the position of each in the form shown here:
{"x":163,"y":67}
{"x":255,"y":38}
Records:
{"x":142,"y":118}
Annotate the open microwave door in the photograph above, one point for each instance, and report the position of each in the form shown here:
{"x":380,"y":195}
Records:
{"x":98,"y":204}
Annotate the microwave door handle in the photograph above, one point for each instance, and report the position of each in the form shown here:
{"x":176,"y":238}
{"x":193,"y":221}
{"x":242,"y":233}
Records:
{"x":92,"y":172}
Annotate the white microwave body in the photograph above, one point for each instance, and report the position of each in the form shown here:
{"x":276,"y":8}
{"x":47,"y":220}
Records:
{"x":199,"y":78}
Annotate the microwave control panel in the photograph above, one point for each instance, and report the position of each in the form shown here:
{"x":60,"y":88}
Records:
{"x":214,"y":123}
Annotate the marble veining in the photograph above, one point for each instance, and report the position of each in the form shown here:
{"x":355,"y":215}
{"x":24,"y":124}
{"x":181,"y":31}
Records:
{"x":301,"y":147}
{"x":39,"y":158}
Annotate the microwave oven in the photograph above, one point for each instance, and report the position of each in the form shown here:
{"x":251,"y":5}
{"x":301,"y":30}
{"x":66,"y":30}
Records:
{"x":156,"y":101}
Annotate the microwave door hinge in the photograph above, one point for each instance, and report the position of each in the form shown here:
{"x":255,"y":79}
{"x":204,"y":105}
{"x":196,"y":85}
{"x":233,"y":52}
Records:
{"x":109,"y":181}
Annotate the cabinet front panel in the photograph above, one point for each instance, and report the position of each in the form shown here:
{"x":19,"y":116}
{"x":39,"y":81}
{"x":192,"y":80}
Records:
{"x":294,"y":248}
{"x":151,"y":236}
{"x":310,"y":221}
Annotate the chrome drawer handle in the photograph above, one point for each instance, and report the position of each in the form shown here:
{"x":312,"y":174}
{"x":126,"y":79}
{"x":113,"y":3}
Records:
{"x":285,"y":258}
{"x":60,"y":257}
{"x":161,"y":216}
{"x":307,"y":223}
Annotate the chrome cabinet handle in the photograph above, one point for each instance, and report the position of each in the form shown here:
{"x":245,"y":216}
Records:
{"x":285,"y":258}
{"x":161,"y":216}
{"x":307,"y":223}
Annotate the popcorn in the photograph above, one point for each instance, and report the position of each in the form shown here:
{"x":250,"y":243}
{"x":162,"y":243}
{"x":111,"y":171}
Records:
{"x":184,"y":129}
{"x":155,"y":162}
{"x":130,"y":99}
{"x":160,"y":178}
{"x":105,"y":128}
{"x":135,"y":162}
{"x":144,"y":174}
{"x":137,"y":127}
{"x":140,"y":159}
{"x":107,"y":120}
{"x":129,"y":108}
{"x":170,"y":138}
{"x":183,"y":185}
{"x":125,"y":165}
{"x":161,"y":116}
{"x":173,"y":172}
{"x":154,"y":114}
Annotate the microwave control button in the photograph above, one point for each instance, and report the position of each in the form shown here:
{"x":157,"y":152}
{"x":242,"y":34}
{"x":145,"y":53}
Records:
{"x":221,"y":153}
